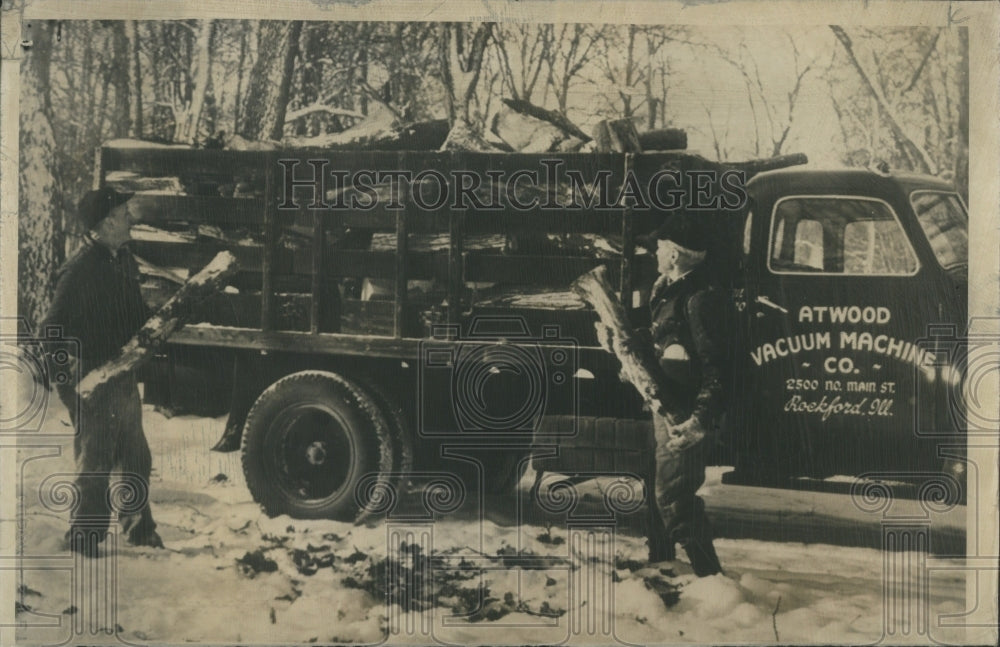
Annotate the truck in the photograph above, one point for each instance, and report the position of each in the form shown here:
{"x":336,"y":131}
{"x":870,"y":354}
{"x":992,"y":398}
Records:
{"x":396,"y":315}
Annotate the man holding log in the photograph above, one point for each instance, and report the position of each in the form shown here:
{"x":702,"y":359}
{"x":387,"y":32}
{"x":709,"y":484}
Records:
{"x":98,"y":302}
{"x":689,"y":332}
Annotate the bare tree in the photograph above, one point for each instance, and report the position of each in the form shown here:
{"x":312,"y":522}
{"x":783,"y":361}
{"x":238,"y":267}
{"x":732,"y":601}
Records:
{"x":531,"y":44}
{"x":462,"y":47}
{"x":573,"y":48}
{"x":772,"y":109}
{"x":916,"y":153}
{"x":629,"y":63}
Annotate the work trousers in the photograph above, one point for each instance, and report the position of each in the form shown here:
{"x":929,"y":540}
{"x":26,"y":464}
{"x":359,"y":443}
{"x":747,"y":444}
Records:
{"x":677,"y":515}
{"x":109,"y":437}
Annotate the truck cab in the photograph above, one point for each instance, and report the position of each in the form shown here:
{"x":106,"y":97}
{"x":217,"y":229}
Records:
{"x":856,"y":287}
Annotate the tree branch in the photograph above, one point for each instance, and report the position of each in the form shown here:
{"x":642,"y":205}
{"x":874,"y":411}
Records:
{"x":919,"y":155}
{"x":923,"y":62}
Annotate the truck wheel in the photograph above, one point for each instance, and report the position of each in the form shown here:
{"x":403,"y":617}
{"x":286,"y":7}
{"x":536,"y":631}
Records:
{"x":309,"y":440}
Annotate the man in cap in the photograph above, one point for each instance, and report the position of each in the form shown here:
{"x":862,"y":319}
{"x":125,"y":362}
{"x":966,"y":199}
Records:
{"x":689,"y":331}
{"x":98,"y":302}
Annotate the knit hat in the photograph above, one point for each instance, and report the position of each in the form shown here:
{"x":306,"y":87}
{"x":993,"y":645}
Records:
{"x":684,"y":230}
{"x":96,"y":205}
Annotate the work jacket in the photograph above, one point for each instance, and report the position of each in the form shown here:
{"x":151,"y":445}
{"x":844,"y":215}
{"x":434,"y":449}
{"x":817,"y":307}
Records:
{"x":691,"y":329}
{"x":98,"y":303}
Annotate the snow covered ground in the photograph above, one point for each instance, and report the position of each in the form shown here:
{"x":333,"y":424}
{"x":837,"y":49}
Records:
{"x":478,"y":575}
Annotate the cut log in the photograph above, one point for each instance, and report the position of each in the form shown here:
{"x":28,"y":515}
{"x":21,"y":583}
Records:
{"x":616,"y":136}
{"x":552,"y":117}
{"x":752,"y":167}
{"x":379,"y":133}
{"x":527,"y":134}
{"x":465,"y":138}
{"x":155,"y":332}
{"x":666,"y":139}
{"x":636,"y":354}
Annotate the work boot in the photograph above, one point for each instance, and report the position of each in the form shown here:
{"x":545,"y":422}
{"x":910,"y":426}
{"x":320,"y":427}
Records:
{"x":231,"y":439}
{"x":704,"y":561}
{"x":693,"y":532}
{"x":151,"y":539}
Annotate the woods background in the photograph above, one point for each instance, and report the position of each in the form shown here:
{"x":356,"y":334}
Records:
{"x":842,"y":96}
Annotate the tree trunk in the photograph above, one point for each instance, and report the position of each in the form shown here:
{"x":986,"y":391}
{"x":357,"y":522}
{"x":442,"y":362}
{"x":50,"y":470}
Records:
{"x":266,"y":101}
{"x":39,"y":222}
{"x":962,"y":150}
{"x":135,"y":80}
{"x":155,"y":332}
{"x":187,"y":127}
{"x":122,"y":121}
{"x":238,"y":99}
{"x":461,"y":63}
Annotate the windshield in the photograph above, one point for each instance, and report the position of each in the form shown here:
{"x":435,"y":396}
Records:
{"x":944,"y":221}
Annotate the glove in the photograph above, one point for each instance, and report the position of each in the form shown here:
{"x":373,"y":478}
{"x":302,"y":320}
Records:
{"x":683,"y":436}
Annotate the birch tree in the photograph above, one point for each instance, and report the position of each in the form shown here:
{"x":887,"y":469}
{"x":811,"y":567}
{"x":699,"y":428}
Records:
{"x":39,"y":214}
{"x":190,"y":113}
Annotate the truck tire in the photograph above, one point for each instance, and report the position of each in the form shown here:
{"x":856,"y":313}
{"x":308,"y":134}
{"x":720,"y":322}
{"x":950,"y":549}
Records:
{"x":399,"y":431}
{"x":309,"y":440}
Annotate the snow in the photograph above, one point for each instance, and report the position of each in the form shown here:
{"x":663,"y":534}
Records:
{"x":196,"y":590}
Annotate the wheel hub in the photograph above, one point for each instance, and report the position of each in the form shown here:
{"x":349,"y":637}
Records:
{"x":316,"y":452}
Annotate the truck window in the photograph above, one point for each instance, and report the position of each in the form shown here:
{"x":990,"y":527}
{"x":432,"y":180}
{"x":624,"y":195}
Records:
{"x":838,"y":235}
{"x":943,"y":218}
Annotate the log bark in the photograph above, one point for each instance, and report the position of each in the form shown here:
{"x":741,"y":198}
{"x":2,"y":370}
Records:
{"x":379,"y":135}
{"x":557,"y":119}
{"x":465,"y":138}
{"x":265,"y":103}
{"x":616,"y":136}
{"x":155,"y":332}
{"x":40,"y":226}
{"x":753,"y":167}
{"x":636,"y":354}
{"x":135,"y":80}
{"x":665,"y":139}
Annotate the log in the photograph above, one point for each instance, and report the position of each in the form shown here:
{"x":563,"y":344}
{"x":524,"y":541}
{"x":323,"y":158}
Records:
{"x":616,"y":136}
{"x":379,"y":133}
{"x":527,"y":134}
{"x":665,"y":139}
{"x":169,"y":318}
{"x":753,"y":167}
{"x":557,"y":119}
{"x":636,"y":354}
{"x":464,"y":137}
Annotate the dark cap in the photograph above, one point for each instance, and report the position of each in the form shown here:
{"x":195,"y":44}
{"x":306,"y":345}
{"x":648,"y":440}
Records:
{"x":684,"y":230}
{"x":96,"y":205}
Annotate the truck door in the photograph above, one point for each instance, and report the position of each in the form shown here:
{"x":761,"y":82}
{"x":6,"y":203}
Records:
{"x":834,"y":306}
